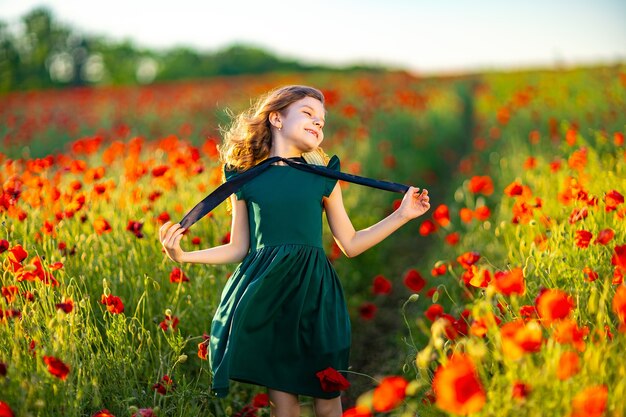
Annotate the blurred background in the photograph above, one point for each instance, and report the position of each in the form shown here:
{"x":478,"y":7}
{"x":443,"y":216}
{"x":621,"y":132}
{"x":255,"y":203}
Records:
{"x":59,"y":43}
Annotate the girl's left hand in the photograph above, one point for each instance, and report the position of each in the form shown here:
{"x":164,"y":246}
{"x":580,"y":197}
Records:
{"x":414,"y":203}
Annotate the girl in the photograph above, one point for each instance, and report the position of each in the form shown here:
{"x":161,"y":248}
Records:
{"x":282,"y":321}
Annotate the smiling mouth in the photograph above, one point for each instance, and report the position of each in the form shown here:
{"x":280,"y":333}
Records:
{"x":312,"y":132}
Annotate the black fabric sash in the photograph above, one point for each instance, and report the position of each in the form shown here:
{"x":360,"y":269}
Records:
{"x":229,"y":187}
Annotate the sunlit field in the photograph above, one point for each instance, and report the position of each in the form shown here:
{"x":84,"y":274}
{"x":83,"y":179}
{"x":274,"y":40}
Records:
{"x":507,"y":298}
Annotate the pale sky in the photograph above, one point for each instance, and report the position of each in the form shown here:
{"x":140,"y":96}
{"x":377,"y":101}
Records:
{"x":423,"y":36}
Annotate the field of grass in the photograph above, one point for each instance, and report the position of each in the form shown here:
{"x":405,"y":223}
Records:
{"x":518,"y":266}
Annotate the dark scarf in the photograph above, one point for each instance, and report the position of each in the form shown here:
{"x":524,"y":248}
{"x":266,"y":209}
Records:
{"x":229,"y":187}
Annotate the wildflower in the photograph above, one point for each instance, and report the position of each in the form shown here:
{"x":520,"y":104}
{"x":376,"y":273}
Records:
{"x":590,"y":402}
{"x":358,"y":411}
{"x":67,"y":305}
{"x":520,"y":390}
{"x":442,"y":215}
{"x":519,"y":337}
{"x":510,"y":282}
{"x":612,"y":199}
{"x":367,"y":311}
{"x":101,"y":226}
{"x":590,"y":274}
{"x":433,"y":312}
{"x":554,"y":304}
{"x":114,"y":303}
{"x":569,"y":365}
{"x":452,"y":238}
{"x":427,"y":227}
{"x":203,"y":347}
{"x":389,"y":393}
{"x":177,"y":276}
{"x":583,"y":238}
{"x":331,"y":380}
{"x":414,"y":281}
{"x":5,"y":410}
{"x":381,"y":285}
{"x":604,"y":236}
{"x":166,"y":384}
{"x":56,"y":367}
{"x":260,"y":400}
{"x":481,"y":185}
{"x":468,"y":259}
{"x":457,"y":387}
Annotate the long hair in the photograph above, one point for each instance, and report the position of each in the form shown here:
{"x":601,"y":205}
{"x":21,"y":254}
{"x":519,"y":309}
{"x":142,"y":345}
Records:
{"x":249,"y":139}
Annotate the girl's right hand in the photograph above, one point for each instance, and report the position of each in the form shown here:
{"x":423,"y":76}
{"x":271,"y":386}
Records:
{"x":170,"y":235}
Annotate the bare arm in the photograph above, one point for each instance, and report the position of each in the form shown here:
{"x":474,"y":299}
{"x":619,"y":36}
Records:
{"x":353,"y":243}
{"x":232,"y":252}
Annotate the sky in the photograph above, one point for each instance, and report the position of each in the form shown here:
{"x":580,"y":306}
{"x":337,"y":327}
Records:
{"x":422,"y":36}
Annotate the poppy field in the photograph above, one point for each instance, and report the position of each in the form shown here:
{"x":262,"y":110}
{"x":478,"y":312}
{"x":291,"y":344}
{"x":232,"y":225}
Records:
{"x":506,"y":298}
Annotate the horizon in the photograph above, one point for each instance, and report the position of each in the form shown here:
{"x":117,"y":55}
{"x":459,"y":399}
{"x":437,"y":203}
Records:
{"x":481,"y":36}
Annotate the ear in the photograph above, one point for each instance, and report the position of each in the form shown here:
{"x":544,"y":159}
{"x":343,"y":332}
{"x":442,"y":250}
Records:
{"x":275,"y":119}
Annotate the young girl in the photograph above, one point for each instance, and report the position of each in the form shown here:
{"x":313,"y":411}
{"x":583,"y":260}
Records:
{"x":282,"y":320}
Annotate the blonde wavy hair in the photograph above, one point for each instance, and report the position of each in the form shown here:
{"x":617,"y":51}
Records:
{"x":249,"y":139}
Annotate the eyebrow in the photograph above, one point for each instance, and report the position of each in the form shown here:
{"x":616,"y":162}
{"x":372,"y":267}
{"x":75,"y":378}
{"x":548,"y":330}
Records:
{"x":306,"y":105}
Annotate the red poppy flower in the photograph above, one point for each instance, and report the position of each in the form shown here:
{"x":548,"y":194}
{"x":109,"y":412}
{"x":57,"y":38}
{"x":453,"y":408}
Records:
{"x":583,"y":238}
{"x":4,"y":245}
{"x":604,"y":236}
{"x":367,"y":311}
{"x":590,"y":274}
{"x":457,"y":388}
{"x":510,"y":282}
{"x":578,"y":214}
{"x":554,"y":304}
{"x":590,"y":402}
{"x":520,"y":390}
{"x":439,"y":269}
{"x":164,"y":386}
{"x":101,"y":226}
{"x":246,"y":411}
{"x":442,"y":215}
{"x":3,"y":369}
{"x":619,"y":257}
{"x":569,"y":365}
{"x":114,"y":304}
{"x":381,"y":285}
{"x":261,"y":400}
{"x":468,"y":259}
{"x":414,"y":280}
{"x":10,"y":293}
{"x":159,"y":170}
{"x":466,"y":215}
{"x":481,"y":185}
{"x":5,"y":410}
{"x":358,"y":411}
{"x":513,"y":189}
{"x":177,"y":276}
{"x":434,"y":311}
{"x":612,"y":199}
{"x":427,"y":227}
{"x":453,"y":238}
{"x":67,"y":306}
{"x":482,"y":213}
{"x":56,"y":367}
{"x":331,"y":380}
{"x":389,"y":393}
{"x":519,"y":337}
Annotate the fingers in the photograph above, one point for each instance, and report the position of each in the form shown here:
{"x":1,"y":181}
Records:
{"x":168,"y":232}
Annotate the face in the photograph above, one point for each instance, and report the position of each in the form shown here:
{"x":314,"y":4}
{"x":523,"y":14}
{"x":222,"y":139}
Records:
{"x":302,"y":123}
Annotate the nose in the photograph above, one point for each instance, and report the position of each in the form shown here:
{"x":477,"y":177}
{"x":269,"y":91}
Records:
{"x":317,"y":123}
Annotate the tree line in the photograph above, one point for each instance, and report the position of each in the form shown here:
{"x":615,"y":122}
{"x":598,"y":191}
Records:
{"x":45,"y":53}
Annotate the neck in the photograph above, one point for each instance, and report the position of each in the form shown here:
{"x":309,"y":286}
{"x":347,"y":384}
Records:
{"x":285,"y":151}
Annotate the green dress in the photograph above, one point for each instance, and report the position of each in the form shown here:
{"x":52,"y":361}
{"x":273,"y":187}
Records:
{"x":282,"y":317}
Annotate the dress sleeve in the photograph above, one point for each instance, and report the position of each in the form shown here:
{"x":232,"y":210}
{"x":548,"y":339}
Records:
{"x":333,"y":164}
{"x":228,"y":174}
